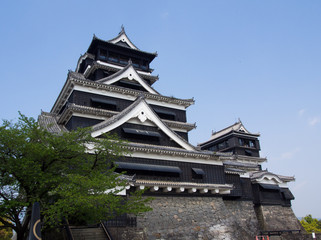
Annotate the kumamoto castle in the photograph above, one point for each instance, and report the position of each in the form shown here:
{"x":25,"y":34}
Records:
{"x":216,"y":190}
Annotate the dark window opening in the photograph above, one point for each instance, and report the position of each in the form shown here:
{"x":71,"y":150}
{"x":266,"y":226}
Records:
{"x":165,"y":114}
{"x":198,"y":173}
{"x":123,"y":60}
{"x":246,"y":143}
{"x":213,"y":148}
{"x":286,"y":193}
{"x":144,"y":66}
{"x":147,"y":169}
{"x":222,"y":145}
{"x":113,"y":57}
{"x":248,"y":153}
{"x":103,"y":54}
{"x":103,"y":104}
{"x":131,"y":85}
{"x":135,"y":63}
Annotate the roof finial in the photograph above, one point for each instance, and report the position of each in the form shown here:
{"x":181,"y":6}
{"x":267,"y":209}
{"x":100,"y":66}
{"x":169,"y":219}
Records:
{"x":122,"y":28}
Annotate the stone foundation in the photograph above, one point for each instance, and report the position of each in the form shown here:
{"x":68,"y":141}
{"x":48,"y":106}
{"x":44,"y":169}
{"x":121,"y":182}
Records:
{"x":276,"y":217}
{"x":244,"y":215}
{"x":207,"y":218}
{"x":190,"y":218}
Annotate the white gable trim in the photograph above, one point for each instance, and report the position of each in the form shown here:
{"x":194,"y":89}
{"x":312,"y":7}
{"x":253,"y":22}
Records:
{"x":131,"y":75}
{"x":269,"y":179}
{"x":143,"y":112}
{"x":123,"y":38}
{"x":175,"y":158}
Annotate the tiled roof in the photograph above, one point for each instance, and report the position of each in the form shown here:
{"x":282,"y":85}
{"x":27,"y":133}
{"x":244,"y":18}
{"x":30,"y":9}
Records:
{"x":240,"y":164}
{"x":182,"y":184}
{"x":82,"y":57}
{"x":243,"y":158}
{"x":97,"y":65}
{"x":130,"y":108}
{"x":72,"y":107}
{"x":260,"y":174}
{"x":122,"y":32}
{"x":115,"y":118}
{"x":49,"y":122}
{"x":236,"y":127}
{"x":129,"y":65}
{"x":172,"y":151}
{"x":95,"y":38}
{"x":78,"y":79}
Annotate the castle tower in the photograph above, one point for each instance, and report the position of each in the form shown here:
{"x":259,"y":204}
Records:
{"x":197,"y":190}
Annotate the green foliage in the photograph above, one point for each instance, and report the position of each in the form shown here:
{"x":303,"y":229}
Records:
{"x":67,"y":173}
{"x":311,"y":224}
{"x":5,"y":233}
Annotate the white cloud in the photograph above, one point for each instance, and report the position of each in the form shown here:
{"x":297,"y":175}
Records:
{"x":301,"y":112}
{"x":313,"y":121}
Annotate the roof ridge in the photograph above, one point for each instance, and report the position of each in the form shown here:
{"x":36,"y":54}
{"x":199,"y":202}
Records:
{"x":123,"y":70}
{"x":181,"y":141}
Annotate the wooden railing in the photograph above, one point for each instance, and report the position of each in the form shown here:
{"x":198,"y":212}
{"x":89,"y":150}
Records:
{"x":106,"y":231}
{"x":67,"y":229}
{"x":279,"y":232}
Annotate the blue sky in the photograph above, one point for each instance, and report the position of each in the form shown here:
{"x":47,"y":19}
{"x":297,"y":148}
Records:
{"x":254,"y":60}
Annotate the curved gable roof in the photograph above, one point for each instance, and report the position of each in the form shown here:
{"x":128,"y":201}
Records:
{"x":131,"y":74}
{"x":141,"y":110}
{"x":95,"y":41}
{"x":237,"y":127}
{"x":122,"y":37}
{"x":268,"y":177}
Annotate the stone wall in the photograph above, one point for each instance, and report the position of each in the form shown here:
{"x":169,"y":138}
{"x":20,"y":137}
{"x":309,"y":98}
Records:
{"x":194,"y":218}
{"x":244,"y":215}
{"x":205,"y":218}
{"x":275,"y":217}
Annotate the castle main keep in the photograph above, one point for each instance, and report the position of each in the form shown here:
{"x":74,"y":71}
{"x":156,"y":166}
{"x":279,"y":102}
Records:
{"x":216,"y":190}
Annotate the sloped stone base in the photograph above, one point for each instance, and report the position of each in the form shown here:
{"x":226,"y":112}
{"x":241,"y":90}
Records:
{"x":207,"y":218}
{"x":198,"y":218}
{"x":275,"y":217}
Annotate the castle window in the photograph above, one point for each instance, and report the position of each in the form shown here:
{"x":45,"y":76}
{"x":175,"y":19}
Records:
{"x":198,"y":173}
{"x":123,"y":60}
{"x":148,"y":169}
{"x":103,"y":104}
{"x":223,"y":145}
{"x":246,"y":143}
{"x":144,"y":66}
{"x":135,"y":63}
{"x":103,"y":54}
{"x":113,"y":57}
{"x":213,"y":148}
{"x":248,"y":152}
{"x":165,"y":114}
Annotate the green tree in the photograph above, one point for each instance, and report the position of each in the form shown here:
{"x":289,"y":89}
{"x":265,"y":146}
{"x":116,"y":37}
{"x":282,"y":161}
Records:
{"x":68,"y":173}
{"x":311,"y":224}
